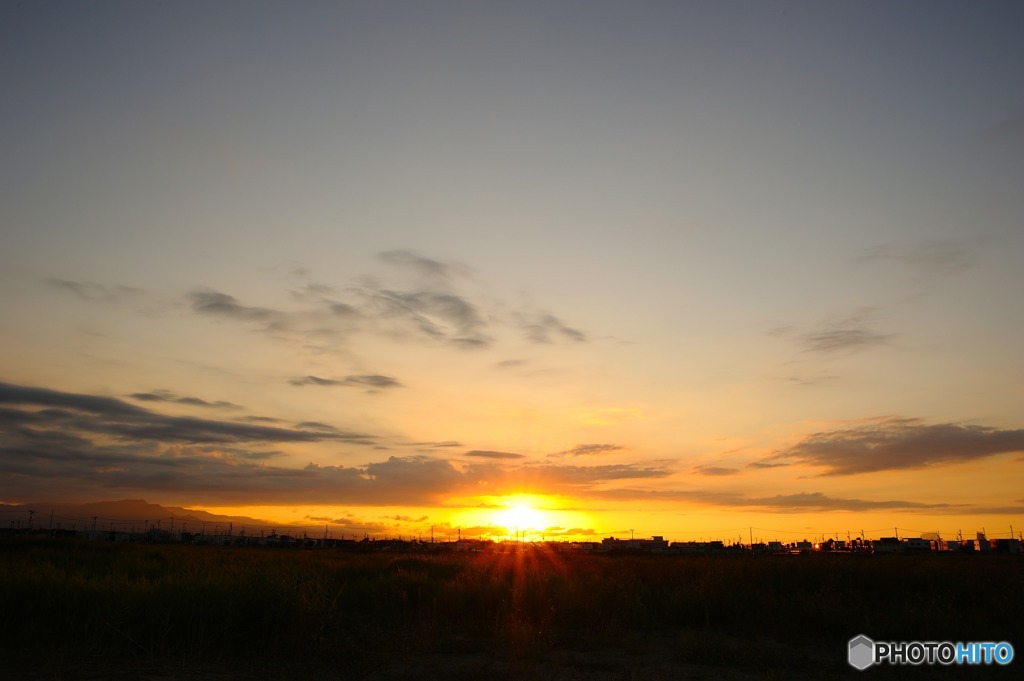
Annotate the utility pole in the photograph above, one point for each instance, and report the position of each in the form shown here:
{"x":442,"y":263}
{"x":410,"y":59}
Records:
{"x":751,"y":530}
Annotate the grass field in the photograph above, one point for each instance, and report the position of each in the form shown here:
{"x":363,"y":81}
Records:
{"x":90,"y":610}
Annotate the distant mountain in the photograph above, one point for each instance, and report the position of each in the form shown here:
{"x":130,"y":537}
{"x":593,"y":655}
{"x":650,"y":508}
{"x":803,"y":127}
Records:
{"x":126,"y":510}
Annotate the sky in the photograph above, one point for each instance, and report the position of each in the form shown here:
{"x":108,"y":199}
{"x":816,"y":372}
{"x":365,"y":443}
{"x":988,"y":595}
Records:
{"x":568,"y":269}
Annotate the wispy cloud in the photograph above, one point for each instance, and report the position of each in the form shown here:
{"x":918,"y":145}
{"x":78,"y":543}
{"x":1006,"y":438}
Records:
{"x":809,"y":378}
{"x":87,"y":445}
{"x":168,"y":396}
{"x":374,"y":381}
{"x":545,"y":328}
{"x":323,"y":317}
{"x":768,"y":464}
{"x":801,"y":502}
{"x":485,"y":454}
{"x":427,"y":267}
{"x":70,"y":413}
{"x":587,"y":475}
{"x":87,"y":290}
{"x":557,"y":531}
{"x":847,"y":334}
{"x":215,"y":303}
{"x":437,"y":315}
{"x":934,"y":259}
{"x":715,"y":470}
{"x":588,"y":450}
{"x":898,"y":443}
{"x":816,"y":501}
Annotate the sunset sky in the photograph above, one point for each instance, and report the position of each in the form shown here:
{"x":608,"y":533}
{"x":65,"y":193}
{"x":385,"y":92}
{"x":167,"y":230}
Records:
{"x":685,"y":268}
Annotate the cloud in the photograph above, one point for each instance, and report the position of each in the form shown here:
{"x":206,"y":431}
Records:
{"x":556,"y":531}
{"x":368,"y":380}
{"x":81,"y":446}
{"x":36,"y":463}
{"x":87,"y":446}
{"x":373,"y":381}
{"x":544,"y":328}
{"x":91,"y":291}
{"x":850,"y":334}
{"x":314,"y":380}
{"x":715,"y":470}
{"x":71,"y":413}
{"x":934,"y":258}
{"x":484,"y":454}
{"x":816,"y":501}
{"x":343,"y":310}
{"x":438,"y":315}
{"x":589,"y":450}
{"x":898,"y":443}
{"x":357,"y":526}
{"x":800,"y":502}
{"x":219,"y":304}
{"x":168,"y":396}
{"x":407,"y":519}
{"x":809,"y":378}
{"x":587,"y":475}
{"x":324,"y":316}
{"x":422,"y":265}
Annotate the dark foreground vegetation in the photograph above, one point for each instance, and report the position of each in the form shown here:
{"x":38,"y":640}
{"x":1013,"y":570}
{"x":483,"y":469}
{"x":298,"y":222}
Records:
{"x":90,"y":610}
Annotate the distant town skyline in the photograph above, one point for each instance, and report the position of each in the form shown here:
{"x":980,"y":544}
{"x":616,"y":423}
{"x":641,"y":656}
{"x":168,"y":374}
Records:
{"x":575,"y":268}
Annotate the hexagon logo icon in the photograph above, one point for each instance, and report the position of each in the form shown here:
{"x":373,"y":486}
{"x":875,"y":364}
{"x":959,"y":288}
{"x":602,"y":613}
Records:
{"x":862,"y":652}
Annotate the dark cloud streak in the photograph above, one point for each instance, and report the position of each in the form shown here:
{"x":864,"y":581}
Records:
{"x":367,"y":380}
{"x":168,"y":396}
{"x":485,"y":454}
{"x":112,"y":417}
{"x":898,"y":443}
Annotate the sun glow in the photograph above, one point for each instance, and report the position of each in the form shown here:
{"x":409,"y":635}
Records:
{"x":520,"y":518}
{"x":524,"y":514}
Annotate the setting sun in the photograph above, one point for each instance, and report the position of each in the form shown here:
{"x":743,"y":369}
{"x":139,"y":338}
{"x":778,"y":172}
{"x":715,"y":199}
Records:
{"x":520,"y":516}
{"x":533,"y":517}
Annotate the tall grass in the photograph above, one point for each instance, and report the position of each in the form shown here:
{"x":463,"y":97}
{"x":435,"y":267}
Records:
{"x":191,"y":604}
